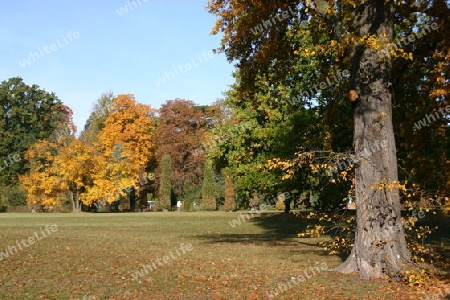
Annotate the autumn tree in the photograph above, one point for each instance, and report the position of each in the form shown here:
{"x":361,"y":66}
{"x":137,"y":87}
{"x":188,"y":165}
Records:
{"x":180,"y":132}
{"x":73,"y":165}
{"x":44,"y":181}
{"x":125,"y":149}
{"x":354,"y":35}
{"x":165,"y":186}
{"x":41,"y":182}
{"x":60,"y":168}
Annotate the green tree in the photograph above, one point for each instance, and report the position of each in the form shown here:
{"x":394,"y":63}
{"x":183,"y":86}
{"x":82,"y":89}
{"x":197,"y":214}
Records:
{"x":252,"y":135}
{"x":269,"y":117}
{"x":208,"y":189}
{"x":165,"y":186}
{"x":27,"y":114}
{"x":13,"y":195}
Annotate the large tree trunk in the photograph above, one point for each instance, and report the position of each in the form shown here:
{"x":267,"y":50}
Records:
{"x":380,"y":246}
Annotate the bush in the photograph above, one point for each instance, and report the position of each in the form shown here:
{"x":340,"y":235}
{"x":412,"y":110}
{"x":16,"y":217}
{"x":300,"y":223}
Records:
{"x":19,"y":209}
{"x":13,"y":196}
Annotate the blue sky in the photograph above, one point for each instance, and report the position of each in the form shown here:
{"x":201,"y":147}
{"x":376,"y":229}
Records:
{"x":96,"y":50}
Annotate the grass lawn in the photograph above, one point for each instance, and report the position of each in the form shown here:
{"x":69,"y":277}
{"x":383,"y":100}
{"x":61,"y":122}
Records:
{"x":94,"y":256}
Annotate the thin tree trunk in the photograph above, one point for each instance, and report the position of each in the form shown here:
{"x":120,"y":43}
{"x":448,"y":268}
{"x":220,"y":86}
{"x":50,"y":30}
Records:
{"x":76,"y":204}
{"x":380,"y":246}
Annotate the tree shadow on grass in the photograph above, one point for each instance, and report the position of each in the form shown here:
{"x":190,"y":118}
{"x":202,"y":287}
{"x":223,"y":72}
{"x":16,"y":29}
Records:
{"x":279,"y":229}
{"x":283,"y":226}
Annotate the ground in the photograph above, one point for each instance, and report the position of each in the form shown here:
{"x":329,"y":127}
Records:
{"x":96,"y":256}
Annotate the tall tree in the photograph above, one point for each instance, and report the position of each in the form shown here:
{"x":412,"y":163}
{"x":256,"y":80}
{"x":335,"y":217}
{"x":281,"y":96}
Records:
{"x":125,"y":151}
{"x":380,"y":247}
{"x":180,"y":131}
{"x":165,"y":186}
{"x":353,"y":35}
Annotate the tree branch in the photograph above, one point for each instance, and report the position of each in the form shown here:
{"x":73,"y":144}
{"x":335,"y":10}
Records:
{"x":321,"y":7}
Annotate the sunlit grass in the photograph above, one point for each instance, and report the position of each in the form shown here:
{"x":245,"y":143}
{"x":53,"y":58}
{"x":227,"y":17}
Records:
{"x":95,"y":255}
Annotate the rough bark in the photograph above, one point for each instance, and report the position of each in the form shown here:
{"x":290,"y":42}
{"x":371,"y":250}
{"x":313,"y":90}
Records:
{"x":380,"y":247}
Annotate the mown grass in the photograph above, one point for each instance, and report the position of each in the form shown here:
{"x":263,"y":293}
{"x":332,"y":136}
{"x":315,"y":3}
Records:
{"x":94,"y":256}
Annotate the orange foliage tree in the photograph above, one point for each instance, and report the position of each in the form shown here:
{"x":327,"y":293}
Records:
{"x":74,"y":165}
{"x":41,"y":182}
{"x":125,"y":149}
{"x":59,"y":168}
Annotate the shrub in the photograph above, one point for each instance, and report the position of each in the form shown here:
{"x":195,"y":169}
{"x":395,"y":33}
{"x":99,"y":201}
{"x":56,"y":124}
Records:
{"x":13,"y":195}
